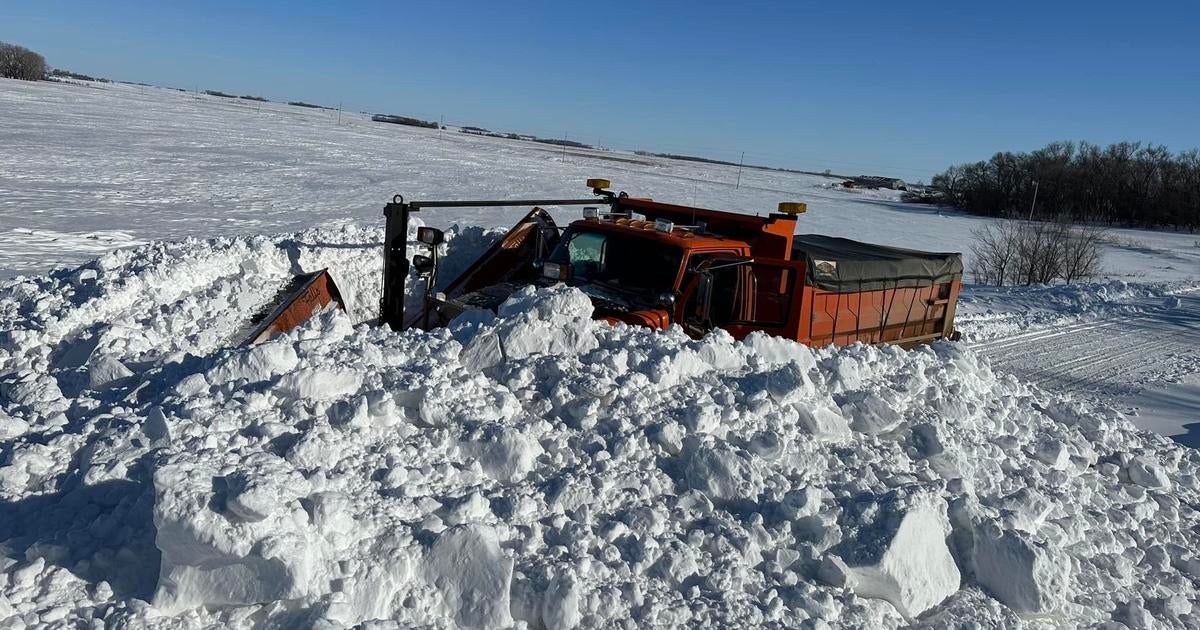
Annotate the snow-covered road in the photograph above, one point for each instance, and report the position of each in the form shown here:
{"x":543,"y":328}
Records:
{"x":1118,"y":359}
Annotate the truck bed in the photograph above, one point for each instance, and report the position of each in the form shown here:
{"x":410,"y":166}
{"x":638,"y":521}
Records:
{"x":861,"y":292}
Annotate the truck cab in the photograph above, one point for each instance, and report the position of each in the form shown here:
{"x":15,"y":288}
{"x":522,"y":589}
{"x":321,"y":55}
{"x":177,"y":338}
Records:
{"x":654,"y":274}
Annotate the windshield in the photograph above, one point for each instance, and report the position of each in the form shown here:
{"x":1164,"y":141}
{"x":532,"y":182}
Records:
{"x":620,"y":261}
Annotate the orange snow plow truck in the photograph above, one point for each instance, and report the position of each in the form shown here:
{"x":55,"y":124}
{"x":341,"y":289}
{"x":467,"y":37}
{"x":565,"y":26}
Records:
{"x":655,"y":264}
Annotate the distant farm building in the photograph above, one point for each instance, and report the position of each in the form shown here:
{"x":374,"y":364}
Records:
{"x":875,"y":181}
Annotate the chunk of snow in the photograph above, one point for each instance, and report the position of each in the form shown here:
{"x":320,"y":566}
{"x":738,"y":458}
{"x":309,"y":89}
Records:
{"x":473,"y":575}
{"x":1148,"y":473}
{"x":320,"y":383}
{"x":720,"y":472}
{"x":209,"y":559}
{"x":560,"y":604}
{"x":106,"y":370}
{"x":256,"y":364}
{"x":10,"y":427}
{"x":509,"y":456}
{"x":1025,"y":575}
{"x":903,"y":557}
{"x":553,"y":321}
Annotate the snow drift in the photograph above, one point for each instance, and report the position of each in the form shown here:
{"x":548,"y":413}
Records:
{"x":539,"y":468}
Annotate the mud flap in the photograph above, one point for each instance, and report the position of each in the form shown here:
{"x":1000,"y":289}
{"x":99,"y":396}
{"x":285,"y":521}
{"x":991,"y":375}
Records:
{"x":513,"y":258}
{"x":304,"y":296}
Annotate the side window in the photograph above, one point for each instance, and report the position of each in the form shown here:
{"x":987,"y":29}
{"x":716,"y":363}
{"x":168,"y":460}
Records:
{"x":723,"y":308}
{"x":772,"y":291}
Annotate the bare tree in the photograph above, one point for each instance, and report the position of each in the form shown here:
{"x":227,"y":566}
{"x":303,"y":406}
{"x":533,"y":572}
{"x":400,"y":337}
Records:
{"x":995,"y":252}
{"x":1039,"y":252}
{"x":17,"y":62}
{"x":1083,"y":253}
{"x":1026,"y":252}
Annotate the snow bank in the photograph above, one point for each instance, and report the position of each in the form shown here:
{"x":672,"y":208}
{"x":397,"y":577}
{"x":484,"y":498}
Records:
{"x":540,"y":468}
{"x":987,"y":313}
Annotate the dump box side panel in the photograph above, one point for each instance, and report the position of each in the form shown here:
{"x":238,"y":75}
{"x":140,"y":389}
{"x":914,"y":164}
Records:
{"x":905,"y":316}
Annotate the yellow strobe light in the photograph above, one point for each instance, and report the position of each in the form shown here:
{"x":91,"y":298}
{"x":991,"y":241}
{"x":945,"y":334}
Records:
{"x":598,"y":183}
{"x":793,"y":207}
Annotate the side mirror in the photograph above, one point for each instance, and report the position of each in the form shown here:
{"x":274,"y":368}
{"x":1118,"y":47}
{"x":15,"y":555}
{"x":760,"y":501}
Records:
{"x":430,"y":236}
{"x":423,"y":264}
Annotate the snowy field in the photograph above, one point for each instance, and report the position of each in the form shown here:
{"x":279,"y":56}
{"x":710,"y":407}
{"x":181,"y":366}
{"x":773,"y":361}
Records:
{"x":84,"y":168}
{"x":593,"y":476}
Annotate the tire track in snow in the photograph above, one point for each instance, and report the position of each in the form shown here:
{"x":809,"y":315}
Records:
{"x":992,"y":345}
{"x":1111,"y":359}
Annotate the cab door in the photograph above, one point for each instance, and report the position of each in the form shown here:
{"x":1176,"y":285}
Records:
{"x":771,"y":299}
{"x":745,"y":295}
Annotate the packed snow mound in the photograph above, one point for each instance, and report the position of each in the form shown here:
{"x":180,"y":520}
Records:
{"x":995,"y":312}
{"x":539,"y":469}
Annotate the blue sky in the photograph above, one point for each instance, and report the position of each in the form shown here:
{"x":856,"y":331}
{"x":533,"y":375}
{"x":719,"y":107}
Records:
{"x":897,"y":88}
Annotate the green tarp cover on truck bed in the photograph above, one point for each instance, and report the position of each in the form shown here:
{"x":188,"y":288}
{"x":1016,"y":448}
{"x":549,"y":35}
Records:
{"x":843,"y":265}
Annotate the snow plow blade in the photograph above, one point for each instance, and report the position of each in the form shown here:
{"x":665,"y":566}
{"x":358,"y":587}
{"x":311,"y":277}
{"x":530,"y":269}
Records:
{"x":512,"y":258}
{"x":304,"y":296}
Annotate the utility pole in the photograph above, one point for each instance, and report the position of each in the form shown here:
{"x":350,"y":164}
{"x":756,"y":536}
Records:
{"x":441,"y":125}
{"x":564,"y":147}
{"x":740,"y":163}
{"x":1034,"y":204}
{"x":339,"y":113}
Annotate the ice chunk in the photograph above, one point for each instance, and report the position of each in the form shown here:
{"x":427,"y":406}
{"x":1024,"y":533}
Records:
{"x":1025,"y":575}
{"x":560,"y":605}
{"x":902,"y":556}
{"x":719,"y":472}
{"x":1145,"y":471}
{"x":106,"y":370}
{"x":256,"y":364}
{"x":509,"y":456}
{"x":11,"y":427}
{"x":320,"y":383}
{"x":473,"y":575}
{"x":210,"y":559}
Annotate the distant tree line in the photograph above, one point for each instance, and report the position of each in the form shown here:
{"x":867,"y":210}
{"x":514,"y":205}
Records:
{"x":404,"y":120}
{"x":309,"y":105}
{"x":67,"y":74}
{"x":1128,"y":183}
{"x":18,"y":62}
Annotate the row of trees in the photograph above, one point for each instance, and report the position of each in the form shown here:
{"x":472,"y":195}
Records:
{"x":1128,"y":183}
{"x":18,"y":62}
